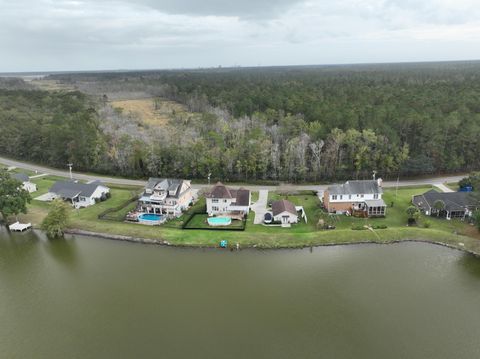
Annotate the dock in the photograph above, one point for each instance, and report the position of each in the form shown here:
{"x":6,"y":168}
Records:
{"x":19,"y":227}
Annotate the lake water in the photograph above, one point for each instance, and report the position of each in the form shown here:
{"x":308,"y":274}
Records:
{"x":93,"y":298}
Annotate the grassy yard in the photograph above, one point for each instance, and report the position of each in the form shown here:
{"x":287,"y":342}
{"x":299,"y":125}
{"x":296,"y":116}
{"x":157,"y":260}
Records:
{"x":303,"y":234}
{"x":453,"y":186}
{"x":254,"y":195}
{"x":200,"y":221}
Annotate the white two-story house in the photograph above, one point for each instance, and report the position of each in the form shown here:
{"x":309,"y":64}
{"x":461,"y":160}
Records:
{"x":166,"y":196}
{"x":362,"y":198}
{"x":222,"y":200}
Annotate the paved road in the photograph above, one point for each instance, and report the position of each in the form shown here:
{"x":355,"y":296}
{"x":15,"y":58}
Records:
{"x":122,"y":181}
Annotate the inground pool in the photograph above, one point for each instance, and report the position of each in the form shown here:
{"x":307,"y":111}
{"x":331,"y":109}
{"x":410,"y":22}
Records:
{"x":219,"y":221}
{"x":150,"y":217}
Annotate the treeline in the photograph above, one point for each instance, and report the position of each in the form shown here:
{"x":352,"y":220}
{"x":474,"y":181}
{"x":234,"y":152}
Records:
{"x":434,"y":109}
{"x":292,"y":124}
{"x":50,"y":128}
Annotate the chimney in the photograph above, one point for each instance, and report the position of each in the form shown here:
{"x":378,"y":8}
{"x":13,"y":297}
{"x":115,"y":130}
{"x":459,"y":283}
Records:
{"x":379,"y":182}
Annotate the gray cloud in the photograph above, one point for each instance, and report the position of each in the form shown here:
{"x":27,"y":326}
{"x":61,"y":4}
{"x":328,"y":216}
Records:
{"x":109,"y":34}
{"x":245,"y":8}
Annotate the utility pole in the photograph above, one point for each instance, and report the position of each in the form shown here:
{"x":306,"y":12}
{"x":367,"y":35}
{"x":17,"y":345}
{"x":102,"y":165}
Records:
{"x":396,"y":189}
{"x":70,"y":165}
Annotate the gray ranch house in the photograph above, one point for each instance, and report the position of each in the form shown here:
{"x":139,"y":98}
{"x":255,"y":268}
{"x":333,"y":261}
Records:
{"x":79,"y":194}
{"x":446,"y":205}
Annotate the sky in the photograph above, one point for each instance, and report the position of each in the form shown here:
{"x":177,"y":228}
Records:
{"x":68,"y":35}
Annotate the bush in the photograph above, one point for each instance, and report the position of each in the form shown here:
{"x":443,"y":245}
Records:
{"x":358,"y":228}
{"x":381,"y":226}
{"x":56,"y":220}
{"x":427,"y":224}
{"x":476,"y":218}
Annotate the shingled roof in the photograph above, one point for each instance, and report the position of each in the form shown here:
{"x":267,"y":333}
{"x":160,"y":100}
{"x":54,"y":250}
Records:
{"x":166,"y":184}
{"x":219,"y":191}
{"x":454,"y":201}
{"x":241,"y":195}
{"x":22,"y":177}
{"x":70,"y":189}
{"x":356,"y":187}
{"x":283,"y":206}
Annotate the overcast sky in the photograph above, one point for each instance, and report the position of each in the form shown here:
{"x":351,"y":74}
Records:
{"x":47,"y":35}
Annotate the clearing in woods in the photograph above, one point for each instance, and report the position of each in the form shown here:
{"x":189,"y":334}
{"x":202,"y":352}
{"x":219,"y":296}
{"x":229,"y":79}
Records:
{"x":151,"y":111}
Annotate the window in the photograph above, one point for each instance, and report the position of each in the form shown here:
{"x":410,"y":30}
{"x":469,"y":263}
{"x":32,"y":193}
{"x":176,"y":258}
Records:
{"x":341,"y":196}
{"x":361,"y":196}
{"x":349,"y":196}
{"x":215,"y":208}
{"x":375,"y":196}
{"x":225,"y":201}
{"x":334,"y":197}
{"x":214,"y":200}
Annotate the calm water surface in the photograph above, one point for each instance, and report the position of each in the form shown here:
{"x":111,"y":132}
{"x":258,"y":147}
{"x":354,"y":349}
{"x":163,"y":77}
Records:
{"x":93,"y":298}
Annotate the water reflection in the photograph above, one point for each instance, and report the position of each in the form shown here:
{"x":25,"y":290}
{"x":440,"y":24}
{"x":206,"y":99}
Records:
{"x":470,"y":264}
{"x":63,"y":251}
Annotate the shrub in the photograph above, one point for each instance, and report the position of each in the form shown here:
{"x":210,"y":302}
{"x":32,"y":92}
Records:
{"x":56,"y":220}
{"x":476,"y":218}
{"x":358,"y":228}
{"x":427,"y":224}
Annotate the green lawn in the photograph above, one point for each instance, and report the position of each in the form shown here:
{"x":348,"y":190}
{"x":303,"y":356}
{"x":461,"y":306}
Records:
{"x":200,"y":221}
{"x":453,"y":186}
{"x":303,"y":234}
{"x":254,"y":196}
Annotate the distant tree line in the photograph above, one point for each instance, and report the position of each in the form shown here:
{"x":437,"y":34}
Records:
{"x":293,"y":123}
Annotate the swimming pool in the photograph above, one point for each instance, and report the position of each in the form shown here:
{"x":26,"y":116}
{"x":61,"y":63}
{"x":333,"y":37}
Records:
{"x":219,"y":221}
{"x":150,"y":218}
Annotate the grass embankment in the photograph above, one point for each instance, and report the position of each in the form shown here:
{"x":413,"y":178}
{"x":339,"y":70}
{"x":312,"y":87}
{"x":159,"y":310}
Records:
{"x":304,"y":234}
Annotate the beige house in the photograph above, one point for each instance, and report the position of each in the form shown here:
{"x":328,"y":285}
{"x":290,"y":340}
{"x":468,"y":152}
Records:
{"x":166,"y":196}
{"x":284,"y":212}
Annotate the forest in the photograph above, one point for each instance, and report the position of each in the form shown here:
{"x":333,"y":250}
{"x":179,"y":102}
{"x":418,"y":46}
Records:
{"x":298,"y":124}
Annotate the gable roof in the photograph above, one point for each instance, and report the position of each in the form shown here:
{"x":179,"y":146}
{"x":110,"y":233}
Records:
{"x":283,"y":206}
{"x":454,"y":201}
{"x":166,"y":184}
{"x":356,"y":187}
{"x":241,"y":195}
{"x":22,"y":177}
{"x":69,"y":189}
{"x":220,"y":191}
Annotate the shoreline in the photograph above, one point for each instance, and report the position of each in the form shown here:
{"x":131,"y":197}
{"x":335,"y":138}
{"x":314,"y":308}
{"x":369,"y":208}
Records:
{"x":160,"y":242}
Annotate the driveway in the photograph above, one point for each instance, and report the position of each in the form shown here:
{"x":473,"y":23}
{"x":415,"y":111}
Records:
{"x":443,"y":188}
{"x":260,"y":207}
